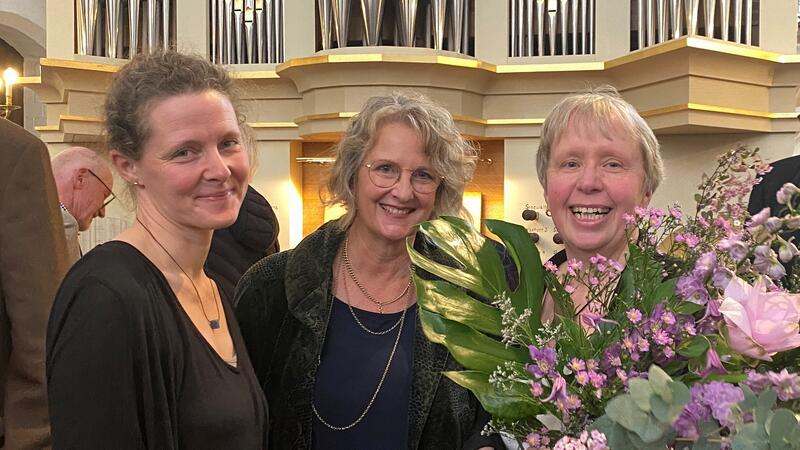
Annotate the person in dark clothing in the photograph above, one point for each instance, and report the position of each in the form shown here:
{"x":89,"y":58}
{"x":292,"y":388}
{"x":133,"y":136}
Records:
{"x":331,"y":325}
{"x":253,"y":236}
{"x":783,"y":171}
{"x":143,"y":349}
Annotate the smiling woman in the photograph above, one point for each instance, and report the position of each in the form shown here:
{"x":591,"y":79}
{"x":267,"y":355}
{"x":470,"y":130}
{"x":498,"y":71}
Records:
{"x":331,"y":325}
{"x":597,"y":161}
{"x":143,"y":351}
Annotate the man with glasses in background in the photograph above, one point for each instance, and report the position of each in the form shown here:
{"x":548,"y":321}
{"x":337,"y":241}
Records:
{"x":84,"y":183}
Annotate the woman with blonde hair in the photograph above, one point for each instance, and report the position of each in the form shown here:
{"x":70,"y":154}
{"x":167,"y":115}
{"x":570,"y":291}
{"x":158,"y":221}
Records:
{"x":331,"y":325}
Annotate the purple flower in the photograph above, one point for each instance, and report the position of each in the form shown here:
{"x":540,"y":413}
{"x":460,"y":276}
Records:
{"x":629,"y":219}
{"x":668,"y":318}
{"x":536,"y":389}
{"x":713,"y":363}
{"x":675,"y":212}
{"x":785,"y":193}
{"x":536,"y":441}
{"x":712,"y":400}
{"x":692,"y":288}
{"x":765,"y":262}
{"x":734,"y":247}
{"x":559,"y":391}
{"x":634,"y":315}
{"x":721,"y":277}
{"x":773,"y":224}
{"x":759,"y":218}
{"x":544,"y":361}
{"x":577,"y":364}
{"x":550,"y":267}
{"x":787,"y":252}
{"x":661,"y":337}
{"x":705,"y":264}
{"x":785,"y":384}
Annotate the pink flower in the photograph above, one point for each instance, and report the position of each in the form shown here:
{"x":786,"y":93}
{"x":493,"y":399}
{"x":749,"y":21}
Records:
{"x":760,"y":323}
{"x":550,"y":267}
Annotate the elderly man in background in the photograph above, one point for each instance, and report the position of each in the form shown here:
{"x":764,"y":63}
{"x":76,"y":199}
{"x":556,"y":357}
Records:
{"x":33,"y":259}
{"x":84,"y":184}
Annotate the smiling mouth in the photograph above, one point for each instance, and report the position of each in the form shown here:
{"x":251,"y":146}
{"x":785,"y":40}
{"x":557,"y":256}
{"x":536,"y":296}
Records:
{"x":589,"y":213}
{"x":397,"y":211}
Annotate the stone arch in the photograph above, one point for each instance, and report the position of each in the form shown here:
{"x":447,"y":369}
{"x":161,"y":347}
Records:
{"x":25,"y":36}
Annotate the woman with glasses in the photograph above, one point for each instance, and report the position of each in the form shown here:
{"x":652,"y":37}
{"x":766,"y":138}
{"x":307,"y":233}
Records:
{"x":331,"y":326}
{"x":143,"y":351}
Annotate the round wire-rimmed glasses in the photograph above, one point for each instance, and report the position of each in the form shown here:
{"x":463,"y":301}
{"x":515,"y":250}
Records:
{"x":386,"y":174}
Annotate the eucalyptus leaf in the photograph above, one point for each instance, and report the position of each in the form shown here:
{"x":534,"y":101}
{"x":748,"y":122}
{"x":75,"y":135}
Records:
{"x":766,"y":401}
{"x":623,"y":410}
{"x":640,"y":392}
{"x":779,"y":426}
{"x":659,"y":381}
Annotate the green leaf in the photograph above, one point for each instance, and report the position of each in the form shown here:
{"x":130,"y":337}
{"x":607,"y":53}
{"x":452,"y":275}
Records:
{"x":693,"y":347}
{"x":659,"y":381}
{"x":766,"y":401}
{"x":458,"y":277}
{"x":473,"y":350}
{"x":624,"y":411}
{"x":688,"y":308}
{"x":640,"y":392}
{"x":663,"y":291}
{"x":530,"y":291}
{"x":779,"y":427}
{"x":478,"y":257}
{"x":453,"y":303}
{"x":750,"y":436}
{"x":514,"y":405}
{"x":550,"y":422}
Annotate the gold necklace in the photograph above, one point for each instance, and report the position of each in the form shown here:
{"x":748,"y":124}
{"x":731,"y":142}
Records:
{"x":213,"y":323}
{"x":353,"y":277}
{"x":353,"y":313}
{"x":380,"y":382}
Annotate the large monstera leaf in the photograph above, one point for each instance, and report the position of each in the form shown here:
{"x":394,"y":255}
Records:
{"x":452,"y":314}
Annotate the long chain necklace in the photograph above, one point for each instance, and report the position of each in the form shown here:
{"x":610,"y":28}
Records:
{"x":353,"y":313}
{"x":213,"y":323}
{"x":380,"y":383}
{"x":353,"y":277}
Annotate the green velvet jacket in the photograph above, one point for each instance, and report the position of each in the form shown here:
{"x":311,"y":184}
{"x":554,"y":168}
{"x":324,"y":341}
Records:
{"x":283,"y":306}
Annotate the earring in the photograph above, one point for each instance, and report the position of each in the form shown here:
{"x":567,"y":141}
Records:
{"x":136,"y":183}
{"x":547,"y":212}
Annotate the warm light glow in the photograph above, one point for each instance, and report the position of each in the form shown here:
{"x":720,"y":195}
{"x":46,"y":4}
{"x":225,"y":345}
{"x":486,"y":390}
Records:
{"x":333,"y":212}
{"x":10,"y":76}
{"x":472,"y":203}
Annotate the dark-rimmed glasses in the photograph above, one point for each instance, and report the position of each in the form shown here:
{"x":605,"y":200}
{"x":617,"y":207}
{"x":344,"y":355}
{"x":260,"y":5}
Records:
{"x":386,"y":174}
{"x":111,"y":195}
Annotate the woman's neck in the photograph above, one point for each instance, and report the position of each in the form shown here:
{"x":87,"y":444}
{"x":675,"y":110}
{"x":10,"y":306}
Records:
{"x":376,"y":256}
{"x":170,"y":244}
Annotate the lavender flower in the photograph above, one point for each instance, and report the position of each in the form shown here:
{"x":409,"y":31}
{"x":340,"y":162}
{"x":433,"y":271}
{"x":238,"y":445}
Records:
{"x":787,"y":251}
{"x":785,"y":193}
{"x":785,"y":384}
{"x":712,"y":400}
{"x":759,"y":218}
{"x":765,"y":262}
{"x":544,"y":362}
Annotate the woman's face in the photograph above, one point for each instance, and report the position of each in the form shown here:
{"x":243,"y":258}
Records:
{"x":391,"y":213}
{"x":194,"y":166}
{"x":592,"y":180}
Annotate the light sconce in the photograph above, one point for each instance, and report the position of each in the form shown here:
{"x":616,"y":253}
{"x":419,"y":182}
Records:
{"x":10,"y":78}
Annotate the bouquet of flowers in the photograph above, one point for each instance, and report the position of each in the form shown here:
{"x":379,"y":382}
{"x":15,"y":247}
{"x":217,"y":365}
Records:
{"x":693,"y":343}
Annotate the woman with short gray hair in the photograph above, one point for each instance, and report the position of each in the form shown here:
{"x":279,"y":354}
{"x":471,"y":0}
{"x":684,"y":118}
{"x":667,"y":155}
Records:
{"x":597,"y":161}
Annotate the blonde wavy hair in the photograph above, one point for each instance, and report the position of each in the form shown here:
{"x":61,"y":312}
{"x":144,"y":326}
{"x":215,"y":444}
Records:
{"x":450,"y":155}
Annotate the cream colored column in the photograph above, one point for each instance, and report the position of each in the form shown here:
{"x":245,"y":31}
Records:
{"x":192,"y":26}
{"x":521,"y":188}
{"x":612,"y":29}
{"x":279,"y":178}
{"x":491,"y":31}
{"x":298,"y":28}
{"x":60,"y":29}
{"x":780,"y":36}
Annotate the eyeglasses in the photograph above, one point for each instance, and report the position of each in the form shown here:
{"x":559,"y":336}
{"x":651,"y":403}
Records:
{"x":386,"y":174}
{"x":111,"y":195}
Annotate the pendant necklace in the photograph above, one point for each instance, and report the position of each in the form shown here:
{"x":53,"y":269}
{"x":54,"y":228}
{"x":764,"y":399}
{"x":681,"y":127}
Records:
{"x":213,"y":323}
{"x":353,"y":277}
